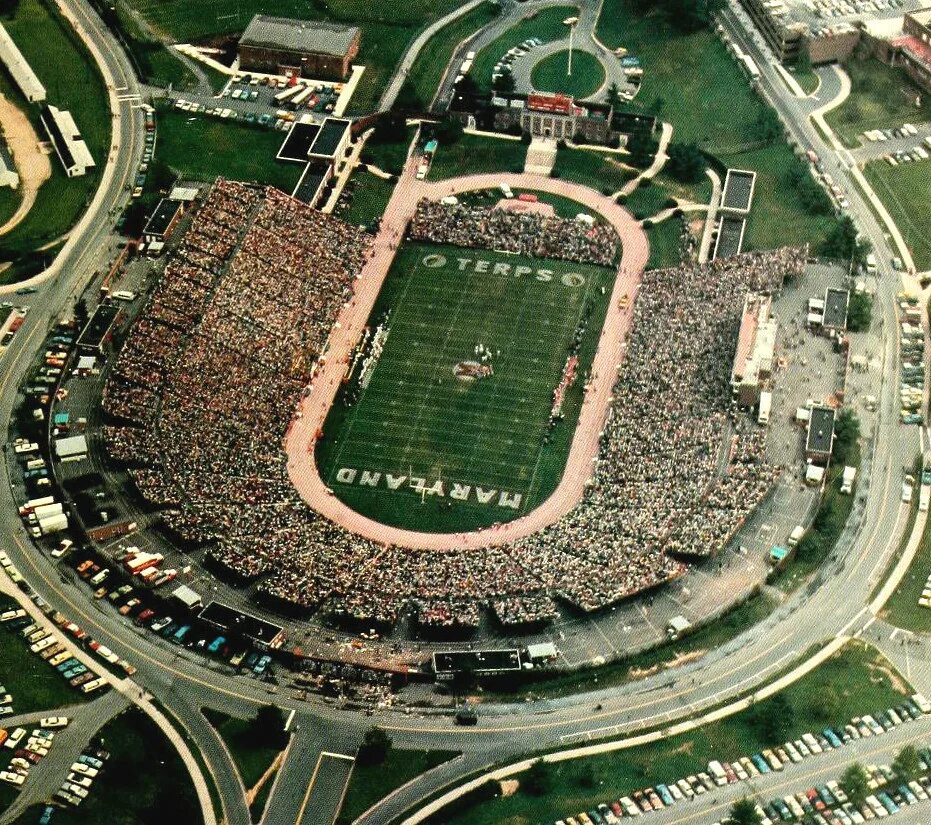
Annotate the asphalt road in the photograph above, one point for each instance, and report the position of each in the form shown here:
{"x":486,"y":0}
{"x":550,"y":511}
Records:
{"x":833,"y":603}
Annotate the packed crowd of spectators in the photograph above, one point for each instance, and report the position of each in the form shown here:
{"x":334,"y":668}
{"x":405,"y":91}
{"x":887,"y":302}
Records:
{"x":201,"y":395}
{"x":524,"y":233}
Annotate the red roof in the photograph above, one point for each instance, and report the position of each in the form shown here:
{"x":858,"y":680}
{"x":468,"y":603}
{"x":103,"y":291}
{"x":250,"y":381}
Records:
{"x":550,"y":103}
{"x":919,"y":50}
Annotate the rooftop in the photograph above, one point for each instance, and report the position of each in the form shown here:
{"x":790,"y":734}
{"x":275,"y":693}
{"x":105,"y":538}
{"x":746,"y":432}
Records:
{"x":836,"y":302}
{"x":820,"y":431}
{"x":299,"y":35}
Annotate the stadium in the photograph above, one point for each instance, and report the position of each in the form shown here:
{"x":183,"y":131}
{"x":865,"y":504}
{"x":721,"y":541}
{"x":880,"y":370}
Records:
{"x":488,"y":417}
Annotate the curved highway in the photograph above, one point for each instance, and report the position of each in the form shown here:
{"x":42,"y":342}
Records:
{"x":833,"y":603}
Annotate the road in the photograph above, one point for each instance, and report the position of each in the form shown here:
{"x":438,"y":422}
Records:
{"x":833,"y":603}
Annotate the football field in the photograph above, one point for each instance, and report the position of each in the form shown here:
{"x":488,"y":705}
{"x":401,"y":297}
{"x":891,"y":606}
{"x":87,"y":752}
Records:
{"x":450,"y":430}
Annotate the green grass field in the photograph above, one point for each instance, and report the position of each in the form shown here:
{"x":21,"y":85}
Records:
{"x":389,"y":156}
{"x":904,"y":189}
{"x":251,"y":760}
{"x":664,"y":241}
{"x":387,"y":28}
{"x":60,"y":61}
{"x":545,"y":24}
{"x":473,"y":153}
{"x":902,"y":609}
{"x":855,"y":681}
{"x":550,"y":74}
{"x":370,"y":783}
{"x":646,"y":201}
{"x":203,"y":148}
{"x":417,"y":419}
{"x":370,"y":196}
{"x":881,"y":97}
{"x":601,"y":171}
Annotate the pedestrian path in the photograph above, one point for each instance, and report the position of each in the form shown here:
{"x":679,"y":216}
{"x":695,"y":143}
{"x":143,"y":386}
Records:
{"x":541,"y":156}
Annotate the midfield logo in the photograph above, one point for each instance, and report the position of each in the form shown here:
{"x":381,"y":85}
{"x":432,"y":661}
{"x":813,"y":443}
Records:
{"x":441,"y":489}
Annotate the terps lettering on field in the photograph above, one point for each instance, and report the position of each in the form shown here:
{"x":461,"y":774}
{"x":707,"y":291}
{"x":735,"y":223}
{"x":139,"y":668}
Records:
{"x":482,"y":266}
{"x":441,"y":489}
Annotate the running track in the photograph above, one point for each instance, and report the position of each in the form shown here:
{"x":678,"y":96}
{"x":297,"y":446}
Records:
{"x":299,"y":442}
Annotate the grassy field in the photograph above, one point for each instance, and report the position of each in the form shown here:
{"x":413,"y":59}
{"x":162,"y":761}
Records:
{"x":855,"y":681}
{"x":646,"y":201}
{"x":203,"y":148}
{"x":144,"y":781}
{"x":32,"y":682}
{"x":473,"y":153}
{"x":545,"y":24}
{"x":903,"y":189}
{"x":370,"y":783}
{"x":370,"y":196}
{"x":68,"y":73}
{"x":389,"y":156}
{"x":387,"y":28}
{"x":252,"y":760}
{"x":806,"y":78}
{"x":427,"y":72}
{"x":664,"y":241}
{"x":723,"y":117}
{"x":881,"y":97}
{"x":902,"y":609}
{"x":601,"y":171}
{"x":550,"y":74}
{"x":9,"y":203}
{"x":416,"y":418}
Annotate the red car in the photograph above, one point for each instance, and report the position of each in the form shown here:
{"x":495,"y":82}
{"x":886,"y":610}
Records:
{"x":144,"y":616}
{"x":32,"y":757}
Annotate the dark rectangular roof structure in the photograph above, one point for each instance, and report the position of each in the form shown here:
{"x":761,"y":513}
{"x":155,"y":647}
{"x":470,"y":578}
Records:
{"x":302,"y":36}
{"x":738,"y":190}
{"x":311,"y":182}
{"x":476,"y":661}
{"x":252,"y":627}
{"x":820,"y":431}
{"x":162,"y":217}
{"x":61,"y":145}
{"x":298,"y":141}
{"x":330,"y":136}
{"x":98,"y":327}
{"x":730,"y":237}
{"x":836,"y":302}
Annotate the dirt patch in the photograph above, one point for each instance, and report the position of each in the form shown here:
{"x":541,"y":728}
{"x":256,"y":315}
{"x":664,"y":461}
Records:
{"x":686,"y":748}
{"x":32,"y":164}
{"x":677,"y":661}
{"x":509,"y":787}
{"x":880,"y":667}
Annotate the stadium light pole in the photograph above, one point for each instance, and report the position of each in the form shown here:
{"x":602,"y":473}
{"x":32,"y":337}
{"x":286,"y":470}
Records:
{"x":570,"y":22}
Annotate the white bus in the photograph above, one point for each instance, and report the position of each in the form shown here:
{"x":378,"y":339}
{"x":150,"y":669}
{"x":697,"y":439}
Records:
{"x":288,"y":93}
{"x":751,"y":67}
{"x":124,"y":295}
{"x":766,"y":405}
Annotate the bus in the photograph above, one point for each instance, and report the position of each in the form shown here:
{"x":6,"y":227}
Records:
{"x":124,"y":295}
{"x":751,"y":67}
{"x":298,"y":100}
{"x":288,"y":93}
{"x":766,"y":405}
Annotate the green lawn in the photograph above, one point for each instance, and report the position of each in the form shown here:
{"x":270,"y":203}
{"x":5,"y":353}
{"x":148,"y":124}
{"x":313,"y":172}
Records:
{"x":601,"y":171}
{"x":370,"y":783}
{"x":62,"y":64}
{"x":665,"y":243}
{"x":646,"y":201}
{"x":33,"y":683}
{"x":902,"y":609}
{"x":881,"y":97}
{"x":550,"y":74}
{"x":251,"y":759}
{"x":387,"y":28}
{"x":416,"y":418}
{"x":144,"y":781}
{"x":158,"y":64}
{"x":9,"y":203}
{"x":389,"y":156}
{"x":370,"y":196}
{"x":203,"y":148}
{"x":806,"y":78}
{"x":473,"y":153}
{"x":545,"y":24}
{"x":904,"y":189}
{"x":855,"y":681}
{"x":427,"y":72}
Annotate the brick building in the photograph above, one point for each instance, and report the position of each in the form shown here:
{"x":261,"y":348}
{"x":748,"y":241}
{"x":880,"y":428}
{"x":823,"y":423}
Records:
{"x":281,"y":45}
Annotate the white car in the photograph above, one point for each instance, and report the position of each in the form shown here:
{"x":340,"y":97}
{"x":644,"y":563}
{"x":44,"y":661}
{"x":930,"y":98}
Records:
{"x":54,"y":722}
{"x":12,"y":778}
{"x":84,"y":770}
{"x":80,"y":781}
{"x":77,"y":790}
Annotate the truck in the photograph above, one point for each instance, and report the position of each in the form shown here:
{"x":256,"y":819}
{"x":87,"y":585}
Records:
{"x":766,"y":405}
{"x":31,"y":505}
{"x":53,"y":524}
{"x":849,"y":476}
{"x":142,"y":562}
{"x":110,"y":531}
{"x":45,"y":510}
{"x":796,"y":535}
{"x":677,"y":626}
{"x":924,"y":498}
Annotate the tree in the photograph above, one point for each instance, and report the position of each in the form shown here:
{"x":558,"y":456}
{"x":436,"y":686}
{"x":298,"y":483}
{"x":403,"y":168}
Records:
{"x":448,"y":132}
{"x":767,"y":126}
{"x":537,"y":778}
{"x":860,"y":312}
{"x":846,"y":435}
{"x":812,"y":196}
{"x":408,"y":101}
{"x":267,"y":726}
{"x":855,"y":783}
{"x":907,"y":763}
{"x":503,"y":83}
{"x":844,"y":243}
{"x":774,"y":720}
{"x":374,"y":748}
{"x":686,"y":162}
{"x":642,"y":147}
{"x":8,"y":7}
{"x":613,"y":96}
{"x":744,"y":812}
